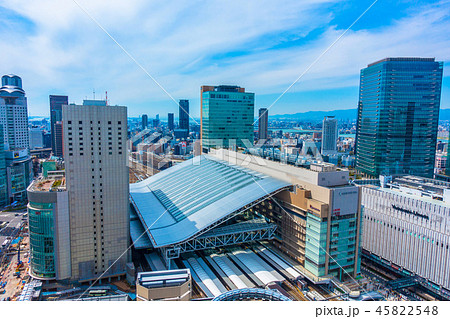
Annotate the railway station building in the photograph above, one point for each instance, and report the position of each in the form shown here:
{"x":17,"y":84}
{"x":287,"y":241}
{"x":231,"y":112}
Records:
{"x":225,"y":199}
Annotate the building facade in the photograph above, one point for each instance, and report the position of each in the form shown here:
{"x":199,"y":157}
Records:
{"x":170,"y":123}
{"x":49,"y":227}
{"x":168,"y":285}
{"x":329,"y":135}
{"x":227,"y":117}
{"x":36,"y":138}
{"x":56,"y":103}
{"x":183,"y":118}
{"x":14,"y":113}
{"x":263,"y":124}
{"x":97,"y":183}
{"x":144,"y":121}
{"x":408,"y":226}
{"x":318,"y":221}
{"x":3,"y":181}
{"x":398,"y":114}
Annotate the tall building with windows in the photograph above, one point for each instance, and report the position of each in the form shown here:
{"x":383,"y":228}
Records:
{"x":56,"y":103}
{"x":398,"y":114}
{"x":49,"y":228}
{"x":13,"y":113}
{"x":144,"y":121}
{"x":97,"y":184}
{"x":263,"y":124}
{"x":3,"y":182}
{"x":227,"y":115}
{"x":183,"y":119}
{"x":171,"y":124}
{"x":329,"y":135}
{"x":14,"y":122}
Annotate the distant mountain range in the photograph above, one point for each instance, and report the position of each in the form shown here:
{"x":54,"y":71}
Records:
{"x":350,"y":114}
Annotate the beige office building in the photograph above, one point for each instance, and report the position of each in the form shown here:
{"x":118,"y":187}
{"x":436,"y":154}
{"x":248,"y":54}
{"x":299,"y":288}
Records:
{"x":318,"y":221}
{"x":174,"y":285}
{"x":97,"y":183}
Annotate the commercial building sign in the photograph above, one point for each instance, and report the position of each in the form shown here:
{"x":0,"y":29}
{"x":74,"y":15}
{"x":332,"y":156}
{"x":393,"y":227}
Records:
{"x":403,"y":210}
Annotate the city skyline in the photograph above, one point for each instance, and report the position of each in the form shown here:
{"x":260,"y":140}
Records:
{"x":264,"y":57}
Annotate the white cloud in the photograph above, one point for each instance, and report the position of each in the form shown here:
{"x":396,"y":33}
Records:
{"x":185,"y":44}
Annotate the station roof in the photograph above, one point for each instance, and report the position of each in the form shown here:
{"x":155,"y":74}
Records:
{"x":181,"y":201}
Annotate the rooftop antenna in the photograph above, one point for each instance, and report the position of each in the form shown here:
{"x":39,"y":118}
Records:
{"x":93,"y":92}
{"x":106,"y":98}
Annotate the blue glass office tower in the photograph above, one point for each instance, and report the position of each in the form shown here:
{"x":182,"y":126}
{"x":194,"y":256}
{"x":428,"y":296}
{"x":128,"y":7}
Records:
{"x":3,"y":181}
{"x":398,"y":114}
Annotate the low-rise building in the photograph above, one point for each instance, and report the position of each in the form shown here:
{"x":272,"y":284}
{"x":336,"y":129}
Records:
{"x":175,"y":285}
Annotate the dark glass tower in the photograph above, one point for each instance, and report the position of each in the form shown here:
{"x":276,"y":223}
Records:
{"x":144,"y":121}
{"x":56,"y":103}
{"x":3,"y":174}
{"x":398,"y":114}
{"x":263,"y":123}
{"x":171,"y":124}
{"x":184,"y":115}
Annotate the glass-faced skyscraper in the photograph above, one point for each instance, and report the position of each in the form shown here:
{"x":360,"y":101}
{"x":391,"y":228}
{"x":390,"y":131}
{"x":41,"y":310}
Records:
{"x":184,"y":115}
{"x":56,"y":103}
{"x":227,"y":115}
{"x":329,"y":135}
{"x":398,"y":114}
{"x":3,"y":183}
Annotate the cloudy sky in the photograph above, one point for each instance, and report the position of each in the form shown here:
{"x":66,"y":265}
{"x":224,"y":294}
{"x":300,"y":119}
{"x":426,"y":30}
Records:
{"x":264,"y":46}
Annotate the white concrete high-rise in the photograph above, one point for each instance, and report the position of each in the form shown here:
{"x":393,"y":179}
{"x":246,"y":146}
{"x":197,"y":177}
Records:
{"x":329,"y":135}
{"x":97,"y":183}
{"x":13,"y":113}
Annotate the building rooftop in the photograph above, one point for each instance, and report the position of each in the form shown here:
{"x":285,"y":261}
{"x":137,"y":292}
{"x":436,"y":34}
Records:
{"x":193,"y":196}
{"x":427,"y":189}
{"x":165,"y":278}
{"x":406,"y":59}
{"x":48,"y":185}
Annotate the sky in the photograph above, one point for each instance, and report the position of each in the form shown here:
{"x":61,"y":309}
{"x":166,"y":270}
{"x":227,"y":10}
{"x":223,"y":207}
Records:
{"x":149,"y":54}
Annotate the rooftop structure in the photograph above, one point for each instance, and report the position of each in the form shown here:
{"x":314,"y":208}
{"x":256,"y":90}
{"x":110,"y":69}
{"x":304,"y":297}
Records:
{"x":164,"y":285}
{"x":185,"y":206}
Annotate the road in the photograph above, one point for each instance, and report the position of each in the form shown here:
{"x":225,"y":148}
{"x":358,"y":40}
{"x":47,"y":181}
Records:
{"x":9,"y":258}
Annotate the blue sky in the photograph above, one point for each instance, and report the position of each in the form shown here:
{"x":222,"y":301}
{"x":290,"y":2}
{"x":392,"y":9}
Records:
{"x":260,"y":45}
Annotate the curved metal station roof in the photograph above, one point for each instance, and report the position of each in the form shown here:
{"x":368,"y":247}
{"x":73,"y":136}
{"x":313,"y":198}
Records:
{"x":181,"y":201}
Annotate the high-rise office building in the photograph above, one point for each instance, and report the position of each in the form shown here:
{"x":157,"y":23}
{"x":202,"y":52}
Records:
{"x":263,"y":123}
{"x":97,"y":183}
{"x":156,"y":121}
{"x":144,"y":121}
{"x":171,"y":124}
{"x":56,"y":103}
{"x":329,"y":135}
{"x":183,"y":119}
{"x":227,"y":116}
{"x":36,"y":137}
{"x":3,"y":182}
{"x":14,"y":113}
{"x":14,"y":122}
{"x":398,"y":114}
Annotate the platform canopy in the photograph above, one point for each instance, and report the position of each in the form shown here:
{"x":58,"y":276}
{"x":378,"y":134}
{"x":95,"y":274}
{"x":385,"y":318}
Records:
{"x":190,"y":198}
